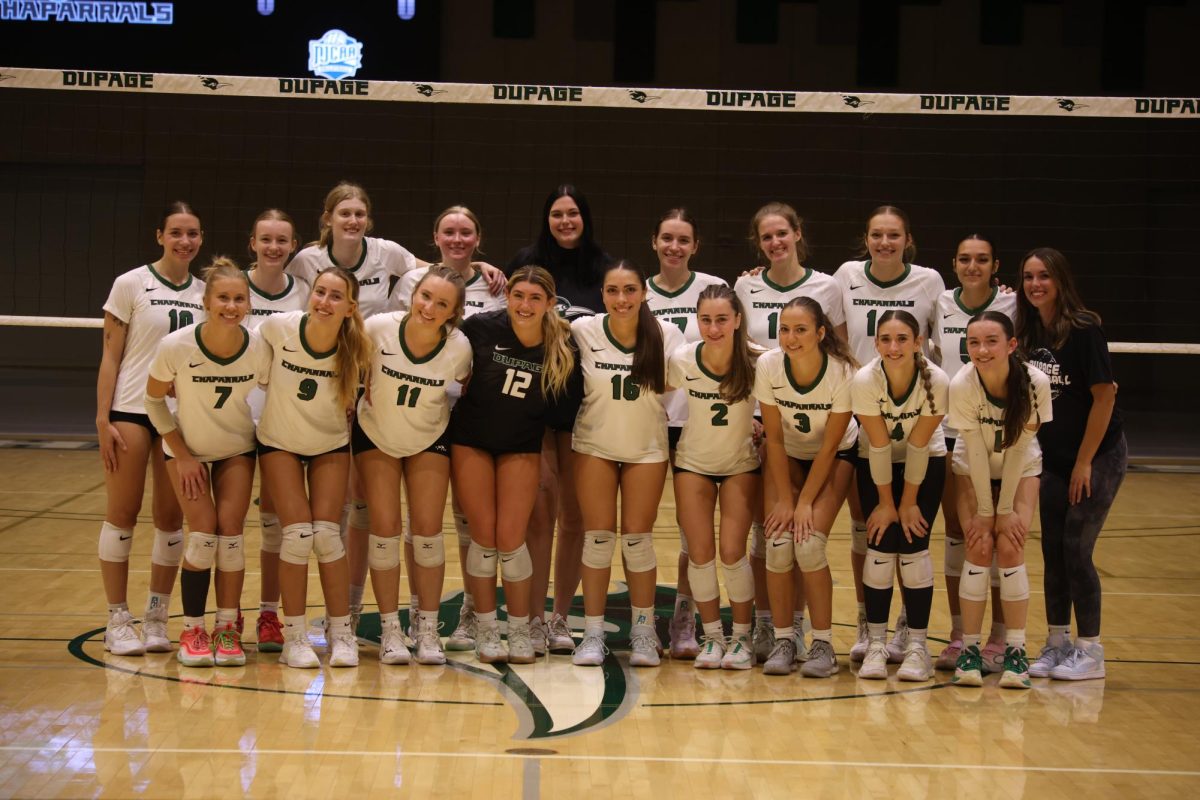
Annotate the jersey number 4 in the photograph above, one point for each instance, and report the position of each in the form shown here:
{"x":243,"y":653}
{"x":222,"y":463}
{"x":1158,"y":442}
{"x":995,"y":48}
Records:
{"x":516,"y":382}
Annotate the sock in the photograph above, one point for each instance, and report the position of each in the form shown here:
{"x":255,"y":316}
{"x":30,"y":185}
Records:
{"x":971,"y":640}
{"x":487,"y":618}
{"x":264,"y":606}
{"x":1015,"y":637}
{"x":917,"y":635}
{"x":157,"y":602}
{"x":468,"y":602}
{"x":825,"y":635}
{"x":294,"y":626}
{"x":518,"y":622}
{"x":862,"y":612}
{"x":192,"y":622}
{"x":956,"y":623}
{"x":117,"y":608}
{"x":785,"y":633}
{"x":741,"y":630}
{"x":713,"y":630}
{"x":1059,"y":636}
{"x":683,"y":605}
{"x":593,"y":626}
{"x":414,"y":602}
{"x":1087,"y":640}
{"x":427,"y":618}
{"x":642,"y":616}
{"x":764,"y":616}
{"x":339,"y":625}
{"x":226,"y":615}
{"x":877,"y":631}
{"x":388,"y":617}
{"x":356,"y":593}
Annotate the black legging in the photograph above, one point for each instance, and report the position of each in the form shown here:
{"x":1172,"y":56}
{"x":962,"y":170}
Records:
{"x":929,"y":499}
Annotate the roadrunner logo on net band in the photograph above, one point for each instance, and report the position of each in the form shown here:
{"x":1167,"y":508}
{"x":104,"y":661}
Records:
{"x":335,"y":55}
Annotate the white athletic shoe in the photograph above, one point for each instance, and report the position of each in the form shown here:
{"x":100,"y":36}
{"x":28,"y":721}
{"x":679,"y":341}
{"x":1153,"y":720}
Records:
{"x":822,"y":661}
{"x":897,"y":648}
{"x":782,"y":660}
{"x":343,"y":651}
{"x":559,"y":639}
{"x":391,"y":645}
{"x":644,"y":647}
{"x":463,"y":637}
{"x":1049,"y":658}
{"x":862,"y":641}
{"x":121,"y":637}
{"x":738,"y":655}
{"x":537,"y":633}
{"x":711,"y":653}
{"x":874,"y":665}
{"x":429,"y":646}
{"x":520,"y":644}
{"x":590,"y":652}
{"x":154,"y":632}
{"x":801,"y":647}
{"x":298,"y":652}
{"x":917,"y":665}
{"x":488,"y":649}
{"x":1081,"y":664}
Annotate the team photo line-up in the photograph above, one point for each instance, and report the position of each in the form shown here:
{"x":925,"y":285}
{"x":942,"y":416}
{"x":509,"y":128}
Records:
{"x":536,"y":396}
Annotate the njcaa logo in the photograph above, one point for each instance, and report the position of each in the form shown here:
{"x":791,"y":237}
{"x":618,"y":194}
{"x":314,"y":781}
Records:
{"x":335,"y":55}
{"x":1166,"y":105}
{"x":965,"y":102}
{"x":540,"y":94}
{"x":120,"y":80}
{"x":212,"y":84}
{"x":751,"y":99}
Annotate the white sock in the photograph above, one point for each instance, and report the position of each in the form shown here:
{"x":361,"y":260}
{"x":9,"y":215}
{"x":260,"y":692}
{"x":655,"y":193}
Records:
{"x":714,"y":630}
{"x":295,"y":626}
{"x":1015,"y":637}
{"x":642,"y":616}
{"x":193,"y":622}
{"x":785,"y":633}
{"x":741,"y":630}
{"x":823,"y":635}
{"x":1059,"y":636}
{"x":917,"y":635}
{"x":389,"y":617}
{"x":272,"y":607}
{"x":156,"y":601}
{"x":971,"y":640}
{"x":518,"y":622}
{"x":593,"y":626}
{"x":226,"y":615}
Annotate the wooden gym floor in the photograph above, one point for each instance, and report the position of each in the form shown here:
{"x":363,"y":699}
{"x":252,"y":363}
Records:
{"x":77,"y":722}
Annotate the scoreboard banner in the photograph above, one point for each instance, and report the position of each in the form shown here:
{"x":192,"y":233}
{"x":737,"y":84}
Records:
{"x":600,"y":96}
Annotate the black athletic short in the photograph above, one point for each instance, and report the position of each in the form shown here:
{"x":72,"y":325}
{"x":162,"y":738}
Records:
{"x":264,"y":449}
{"x":135,"y":419}
{"x":674,"y":432}
{"x":718,"y":479}
{"x":849,"y":454}
{"x":250,"y":454}
{"x":360,"y":442}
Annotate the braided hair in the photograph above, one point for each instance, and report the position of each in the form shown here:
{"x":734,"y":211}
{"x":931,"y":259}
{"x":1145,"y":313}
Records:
{"x":900,"y":315}
{"x":1020,"y":401}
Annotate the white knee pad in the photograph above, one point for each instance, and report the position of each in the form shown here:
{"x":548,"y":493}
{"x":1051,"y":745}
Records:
{"x":462,"y":529}
{"x":973,"y":585}
{"x":781,"y":554}
{"x":638,"y":549}
{"x":810,"y":554}
{"x":327,"y":541}
{"x":296,"y":543}
{"x":168,"y":548}
{"x":598,"y":549}
{"x":995,"y":571}
{"x":272,"y":536}
{"x":1014,"y":584}
{"x":429,"y":551}
{"x":115,"y":543}
{"x":201,"y":550}
{"x":516,"y":565}
{"x":703,"y":580}
{"x":916,"y":570}
{"x":230,"y":555}
{"x":383,"y":552}
{"x":758,"y":541}
{"x":879,"y":572}
{"x":956,"y":554}
{"x":858,"y":537}
{"x":359,"y":516}
{"x":739,"y":580}
{"x":481,"y":561}
{"x":683,"y":543}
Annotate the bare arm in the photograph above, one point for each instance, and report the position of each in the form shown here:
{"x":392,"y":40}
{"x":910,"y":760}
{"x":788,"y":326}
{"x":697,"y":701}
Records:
{"x":835,"y":428}
{"x":779,"y":517}
{"x":115,"y":332}
{"x":1104,"y":400}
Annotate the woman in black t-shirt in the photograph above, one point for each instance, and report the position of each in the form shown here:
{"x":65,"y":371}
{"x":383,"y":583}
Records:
{"x":523,"y":360}
{"x":1084,"y":457}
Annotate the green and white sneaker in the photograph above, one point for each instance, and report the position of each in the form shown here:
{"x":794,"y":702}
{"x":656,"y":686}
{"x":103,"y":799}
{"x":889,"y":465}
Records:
{"x":1016,"y":669}
{"x":968,"y":670}
{"x":712,"y":651}
{"x":738,"y":655}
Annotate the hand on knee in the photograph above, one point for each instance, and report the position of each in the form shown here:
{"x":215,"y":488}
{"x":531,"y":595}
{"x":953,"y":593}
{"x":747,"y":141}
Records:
{"x":810,"y":554}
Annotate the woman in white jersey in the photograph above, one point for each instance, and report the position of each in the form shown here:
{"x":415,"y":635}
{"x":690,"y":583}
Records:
{"x":317,"y":359}
{"x":803,"y":388}
{"x":400,"y":435}
{"x":997,"y":404}
{"x":672,"y":296}
{"x":899,"y":399}
{"x":522,"y":362}
{"x":777,"y":237}
{"x":620,"y":444}
{"x":145,"y":304}
{"x":458,"y":236}
{"x":883,"y":277}
{"x":209,"y":446}
{"x":716,"y":460}
{"x":976,"y":266}
{"x":273,"y":240}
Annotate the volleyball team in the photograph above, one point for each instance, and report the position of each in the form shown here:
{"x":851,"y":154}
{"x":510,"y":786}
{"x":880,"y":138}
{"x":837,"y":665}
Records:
{"x":561,"y":393}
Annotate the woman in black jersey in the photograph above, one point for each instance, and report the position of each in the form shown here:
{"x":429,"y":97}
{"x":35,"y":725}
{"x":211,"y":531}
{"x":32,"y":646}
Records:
{"x":1084,"y":457}
{"x":522,"y":362}
{"x":566,"y":247}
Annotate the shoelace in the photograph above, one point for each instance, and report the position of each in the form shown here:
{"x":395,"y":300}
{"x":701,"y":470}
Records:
{"x":558,"y":627}
{"x":644,"y":640}
{"x":201,"y":641}
{"x":1074,"y":657}
{"x":594,"y":642}
{"x":123,"y":629}
{"x":227,"y":639}
{"x":522,"y":637}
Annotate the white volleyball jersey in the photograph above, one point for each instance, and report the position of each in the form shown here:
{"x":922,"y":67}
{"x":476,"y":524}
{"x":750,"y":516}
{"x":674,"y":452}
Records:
{"x":717,"y":438}
{"x":679,"y":309}
{"x":479,"y":295}
{"x":211,"y":392}
{"x":409,"y":407}
{"x":380,"y":261}
{"x":294,"y":297}
{"x":865,"y":299}
{"x":763,"y":299}
{"x":804,"y":410}
{"x":950,"y":332}
{"x":303,"y":414}
{"x":152,"y":307}
{"x":618,"y":420}
{"x":972,"y":408}
{"x":870,"y":397}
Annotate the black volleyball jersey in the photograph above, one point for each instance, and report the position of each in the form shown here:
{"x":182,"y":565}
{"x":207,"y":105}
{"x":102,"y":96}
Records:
{"x":502,"y":409}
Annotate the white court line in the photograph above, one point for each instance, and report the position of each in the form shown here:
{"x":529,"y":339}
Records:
{"x":1164,"y":773}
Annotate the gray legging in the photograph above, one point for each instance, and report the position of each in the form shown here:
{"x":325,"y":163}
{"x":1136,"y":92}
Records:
{"x":1069,"y":534}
